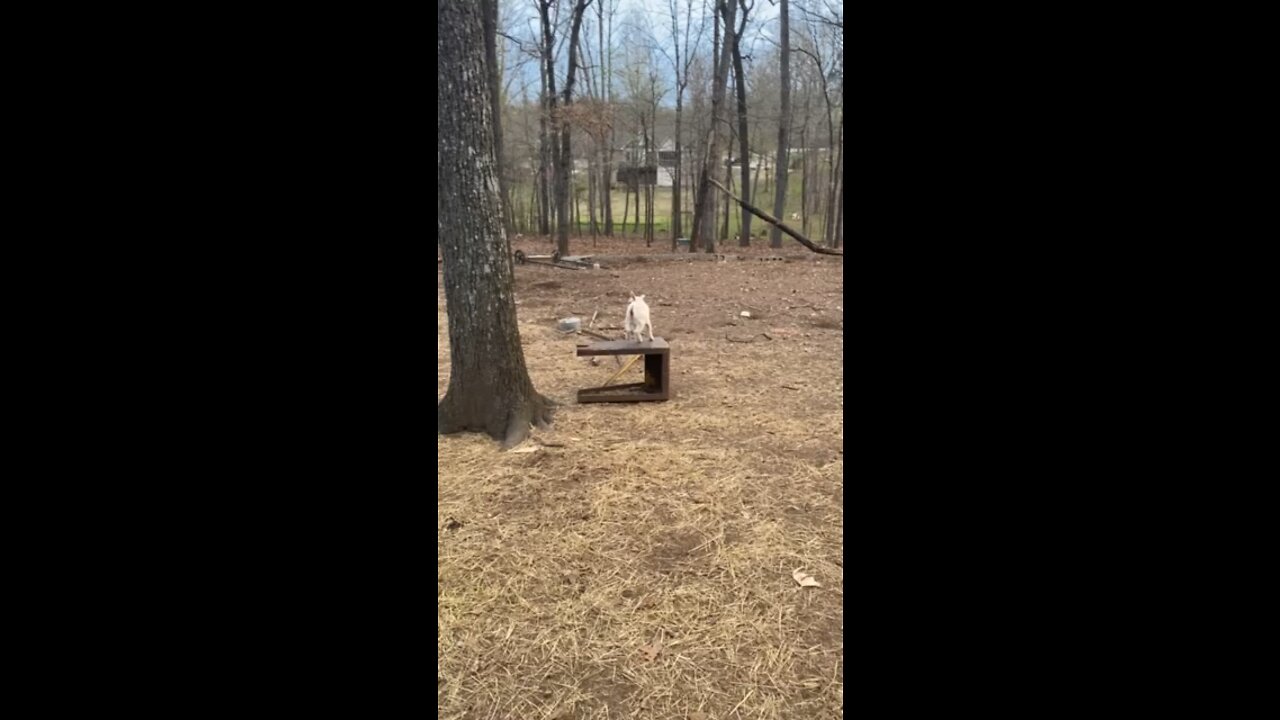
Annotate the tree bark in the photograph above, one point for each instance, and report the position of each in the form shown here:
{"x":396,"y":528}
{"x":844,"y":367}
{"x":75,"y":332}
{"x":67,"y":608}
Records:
{"x":626,"y":205}
{"x":495,"y":98}
{"x":837,"y":236}
{"x":676,"y":227}
{"x":784,"y":127}
{"x":744,"y":147}
{"x":566,"y":150}
{"x":489,"y":386}
{"x":704,"y":221}
{"x":591,"y":196}
{"x":606,"y":149}
{"x":548,"y":70}
{"x":728,"y":207}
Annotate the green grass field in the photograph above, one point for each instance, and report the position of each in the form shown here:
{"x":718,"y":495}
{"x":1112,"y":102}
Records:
{"x":662,"y":211}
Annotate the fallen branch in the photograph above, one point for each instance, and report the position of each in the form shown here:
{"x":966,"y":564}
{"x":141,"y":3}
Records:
{"x":777,"y":223}
{"x":751,"y":339}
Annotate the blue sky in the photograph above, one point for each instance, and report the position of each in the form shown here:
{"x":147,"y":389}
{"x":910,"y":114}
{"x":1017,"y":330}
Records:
{"x":654,"y":24}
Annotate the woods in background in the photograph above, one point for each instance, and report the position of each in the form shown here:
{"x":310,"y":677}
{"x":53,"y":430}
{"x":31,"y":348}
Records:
{"x":614,"y":116}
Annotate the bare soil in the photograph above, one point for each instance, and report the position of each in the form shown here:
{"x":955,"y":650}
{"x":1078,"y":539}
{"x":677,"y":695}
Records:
{"x":637,"y":561}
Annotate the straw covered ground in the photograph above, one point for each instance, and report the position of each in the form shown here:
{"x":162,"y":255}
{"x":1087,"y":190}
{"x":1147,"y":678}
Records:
{"x":638,"y":560}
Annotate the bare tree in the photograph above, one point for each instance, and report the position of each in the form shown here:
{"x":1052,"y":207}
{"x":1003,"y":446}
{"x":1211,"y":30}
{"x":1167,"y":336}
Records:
{"x":744,"y":147}
{"x":489,"y":386}
{"x":704,"y":209}
{"x":565,"y":167}
{"x":821,"y":44}
{"x":495,"y":99}
{"x":609,"y":142}
{"x":784,"y":127}
{"x":838,"y":238}
{"x":681,"y":58}
{"x":549,"y":161}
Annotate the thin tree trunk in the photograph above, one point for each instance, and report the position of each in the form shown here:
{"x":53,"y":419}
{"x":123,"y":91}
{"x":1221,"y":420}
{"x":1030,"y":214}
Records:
{"x":805,"y":162}
{"x":541,"y":182}
{"x":591,"y":196}
{"x":728,"y":207}
{"x":829,"y":227}
{"x":605,"y":187}
{"x":676,"y":227}
{"x":644,"y":163}
{"x":489,"y":386}
{"x":494,"y":75}
{"x":626,"y":206}
{"x":704,"y":215}
{"x":755,"y":182}
{"x":784,"y":128}
{"x":838,"y":198}
{"x":744,"y":149}
{"x":566,"y":151}
{"x":551,"y":121}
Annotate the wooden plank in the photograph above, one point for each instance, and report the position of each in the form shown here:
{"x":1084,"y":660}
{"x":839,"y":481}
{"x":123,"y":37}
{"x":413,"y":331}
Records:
{"x":624,"y":347}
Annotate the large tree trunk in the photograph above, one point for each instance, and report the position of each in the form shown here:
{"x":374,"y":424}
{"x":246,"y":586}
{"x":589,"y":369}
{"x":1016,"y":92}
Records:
{"x":704,"y":221}
{"x":489,"y":386}
{"x":784,"y":128}
{"x":744,"y":147}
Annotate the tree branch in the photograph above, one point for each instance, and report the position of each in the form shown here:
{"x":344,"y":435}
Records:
{"x":777,"y":223}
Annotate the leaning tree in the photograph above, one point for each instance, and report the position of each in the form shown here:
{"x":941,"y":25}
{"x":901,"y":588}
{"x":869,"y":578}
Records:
{"x":489,"y":386}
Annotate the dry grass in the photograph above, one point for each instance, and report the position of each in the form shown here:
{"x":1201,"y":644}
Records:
{"x":643,"y":570}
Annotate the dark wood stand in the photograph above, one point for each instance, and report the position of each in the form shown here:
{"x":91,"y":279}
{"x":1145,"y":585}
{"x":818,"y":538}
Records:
{"x":657,"y":371}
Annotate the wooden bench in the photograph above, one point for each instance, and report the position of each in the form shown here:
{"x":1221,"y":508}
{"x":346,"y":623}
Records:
{"x":657,"y":371}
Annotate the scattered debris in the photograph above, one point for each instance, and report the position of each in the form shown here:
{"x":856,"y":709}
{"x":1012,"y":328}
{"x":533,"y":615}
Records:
{"x":651,"y":652}
{"x":744,"y":313}
{"x":804,"y":580}
{"x":570,"y":324}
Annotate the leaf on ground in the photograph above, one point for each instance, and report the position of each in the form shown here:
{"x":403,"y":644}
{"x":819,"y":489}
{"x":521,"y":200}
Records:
{"x":651,"y":652}
{"x":804,"y":580}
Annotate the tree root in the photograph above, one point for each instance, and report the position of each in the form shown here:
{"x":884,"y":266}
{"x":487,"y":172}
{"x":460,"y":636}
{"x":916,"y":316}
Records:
{"x":508,"y":425}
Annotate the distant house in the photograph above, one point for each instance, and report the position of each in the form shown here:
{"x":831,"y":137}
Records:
{"x":757,"y":162}
{"x":656,"y":169}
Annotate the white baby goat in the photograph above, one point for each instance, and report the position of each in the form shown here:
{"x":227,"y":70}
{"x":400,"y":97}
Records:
{"x":637,"y":319}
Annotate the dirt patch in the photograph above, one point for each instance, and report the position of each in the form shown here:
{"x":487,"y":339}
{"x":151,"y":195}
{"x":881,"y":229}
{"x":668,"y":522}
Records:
{"x":643,"y":569}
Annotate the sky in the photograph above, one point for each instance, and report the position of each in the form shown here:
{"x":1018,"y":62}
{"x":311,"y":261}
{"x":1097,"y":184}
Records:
{"x":637,"y":24}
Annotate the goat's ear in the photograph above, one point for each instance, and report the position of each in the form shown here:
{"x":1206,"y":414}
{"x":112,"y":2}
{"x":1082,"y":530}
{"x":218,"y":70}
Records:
{"x":639,"y":297}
